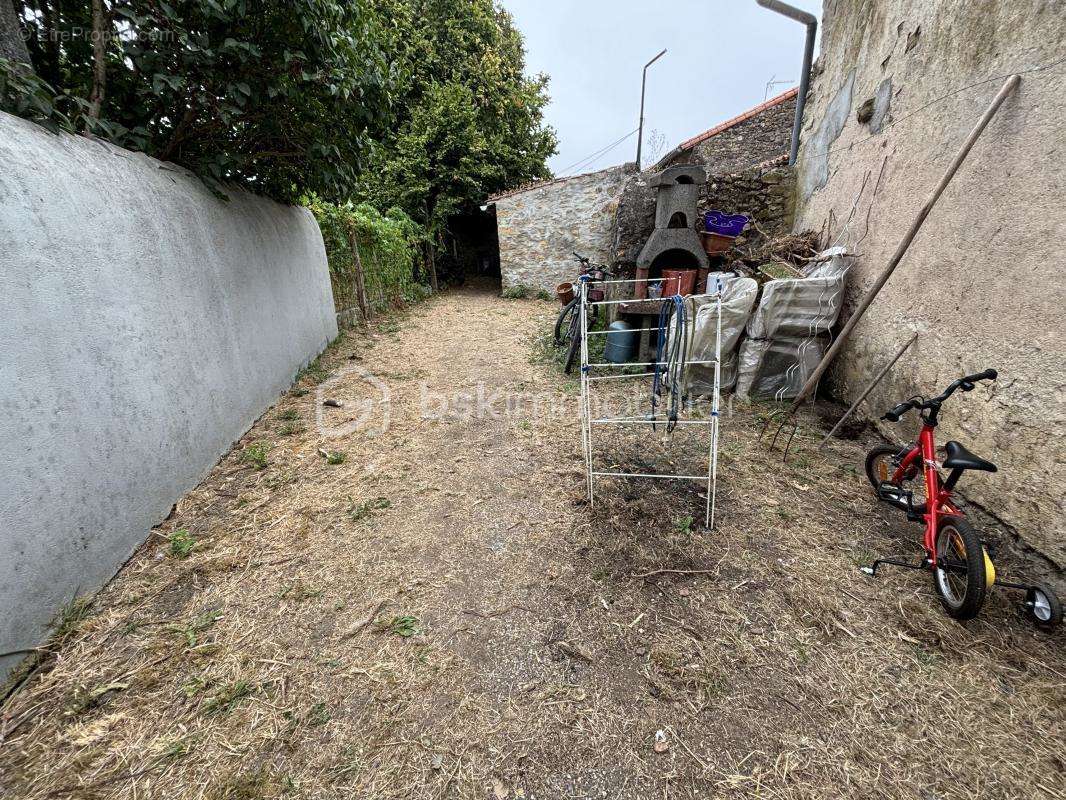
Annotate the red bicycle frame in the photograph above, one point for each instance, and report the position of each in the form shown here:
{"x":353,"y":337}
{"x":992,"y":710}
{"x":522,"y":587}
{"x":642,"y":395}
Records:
{"x":937,"y":498}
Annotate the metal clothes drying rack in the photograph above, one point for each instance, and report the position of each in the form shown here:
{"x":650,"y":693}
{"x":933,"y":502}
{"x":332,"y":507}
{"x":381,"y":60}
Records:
{"x":588,"y":422}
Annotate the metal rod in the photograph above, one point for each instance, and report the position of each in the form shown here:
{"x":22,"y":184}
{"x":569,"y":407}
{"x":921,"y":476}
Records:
{"x":643,"y":85}
{"x":805,"y":71}
{"x":870,"y":388}
{"x":630,"y":330}
{"x":620,"y":377}
{"x":916,"y":226}
{"x":639,"y":421}
{"x":648,"y":475}
{"x":709,"y":296}
{"x":642,"y":364}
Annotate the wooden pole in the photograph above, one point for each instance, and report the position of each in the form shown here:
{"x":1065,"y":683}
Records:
{"x":975,"y":134}
{"x":360,"y":284}
{"x":868,"y":389}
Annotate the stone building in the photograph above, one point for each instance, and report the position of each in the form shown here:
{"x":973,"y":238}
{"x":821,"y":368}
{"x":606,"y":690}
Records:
{"x":898,"y":86}
{"x":608,"y":215}
{"x":746,"y":163}
{"x":540,"y":226}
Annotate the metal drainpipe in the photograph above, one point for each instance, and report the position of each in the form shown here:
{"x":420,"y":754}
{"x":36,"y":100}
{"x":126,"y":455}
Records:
{"x":808,"y":56}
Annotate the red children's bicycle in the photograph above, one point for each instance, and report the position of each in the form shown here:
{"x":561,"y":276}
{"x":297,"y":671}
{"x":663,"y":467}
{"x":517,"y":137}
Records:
{"x":909,"y":479}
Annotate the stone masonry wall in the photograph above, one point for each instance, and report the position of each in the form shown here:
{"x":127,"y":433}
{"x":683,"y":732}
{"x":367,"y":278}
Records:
{"x":763,"y":193}
{"x":763,"y":137}
{"x":542,"y":226}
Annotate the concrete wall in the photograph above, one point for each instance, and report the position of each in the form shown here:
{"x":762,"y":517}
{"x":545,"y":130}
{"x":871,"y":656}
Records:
{"x":984,"y":280}
{"x":145,"y":326}
{"x":542,"y":226}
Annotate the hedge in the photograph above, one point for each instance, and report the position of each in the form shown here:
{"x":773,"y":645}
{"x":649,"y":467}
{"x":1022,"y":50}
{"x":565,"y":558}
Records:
{"x":389,"y":248}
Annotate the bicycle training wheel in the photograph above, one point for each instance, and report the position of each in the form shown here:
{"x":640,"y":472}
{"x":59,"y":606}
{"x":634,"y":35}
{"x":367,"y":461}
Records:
{"x":959,"y":575}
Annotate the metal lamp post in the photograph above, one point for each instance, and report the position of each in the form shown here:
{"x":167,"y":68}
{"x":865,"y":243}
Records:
{"x":643,"y":84}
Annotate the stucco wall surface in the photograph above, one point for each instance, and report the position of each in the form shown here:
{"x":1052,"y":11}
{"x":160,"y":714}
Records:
{"x":984,"y":282}
{"x":145,"y":326}
{"x":540,"y":228}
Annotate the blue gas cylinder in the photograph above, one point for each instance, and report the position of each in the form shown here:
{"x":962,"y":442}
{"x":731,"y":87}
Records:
{"x":621,"y":342}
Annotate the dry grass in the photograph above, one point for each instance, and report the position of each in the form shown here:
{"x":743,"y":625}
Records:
{"x":441,"y":615}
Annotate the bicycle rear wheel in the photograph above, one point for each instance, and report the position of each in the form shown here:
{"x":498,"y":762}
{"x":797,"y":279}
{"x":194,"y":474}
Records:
{"x":881,"y":463}
{"x":959,"y":575}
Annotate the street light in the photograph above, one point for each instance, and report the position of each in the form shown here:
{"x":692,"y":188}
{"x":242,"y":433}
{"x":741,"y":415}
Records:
{"x":643,"y":83}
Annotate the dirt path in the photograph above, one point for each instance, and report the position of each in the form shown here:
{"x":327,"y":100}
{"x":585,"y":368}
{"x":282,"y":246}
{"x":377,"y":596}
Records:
{"x":439,"y":615}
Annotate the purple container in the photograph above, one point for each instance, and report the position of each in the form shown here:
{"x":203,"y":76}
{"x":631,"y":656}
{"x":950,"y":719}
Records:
{"x":724,"y":224}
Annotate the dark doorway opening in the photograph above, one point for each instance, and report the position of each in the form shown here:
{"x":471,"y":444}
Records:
{"x":472,"y":251}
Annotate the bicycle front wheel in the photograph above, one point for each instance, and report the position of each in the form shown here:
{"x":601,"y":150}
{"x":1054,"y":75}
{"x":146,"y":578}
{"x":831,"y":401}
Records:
{"x":566,"y":316}
{"x":959,"y":575}
{"x":575,"y":342}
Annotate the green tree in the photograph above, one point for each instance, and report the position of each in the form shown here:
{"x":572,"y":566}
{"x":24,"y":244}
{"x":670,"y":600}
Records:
{"x":277,"y":96}
{"x":467,"y":121}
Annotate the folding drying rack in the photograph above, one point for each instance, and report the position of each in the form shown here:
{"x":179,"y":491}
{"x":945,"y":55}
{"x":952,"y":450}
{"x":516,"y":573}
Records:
{"x":588,"y":377}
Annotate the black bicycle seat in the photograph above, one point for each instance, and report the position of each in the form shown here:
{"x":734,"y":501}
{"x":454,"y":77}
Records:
{"x":961,"y":458}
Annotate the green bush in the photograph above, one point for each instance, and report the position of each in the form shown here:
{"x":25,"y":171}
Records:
{"x":389,"y":249}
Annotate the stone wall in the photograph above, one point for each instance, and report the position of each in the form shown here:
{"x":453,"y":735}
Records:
{"x":146,"y":324}
{"x":540,"y":227}
{"x":763,"y":136}
{"x":983,"y":281}
{"x":763,"y":193}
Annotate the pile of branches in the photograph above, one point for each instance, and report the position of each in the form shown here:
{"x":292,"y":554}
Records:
{"x":784,"y":256}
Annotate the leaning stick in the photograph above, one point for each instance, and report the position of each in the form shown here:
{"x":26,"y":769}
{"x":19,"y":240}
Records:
{"x":868,"y":389}
{"x":975,"y":134}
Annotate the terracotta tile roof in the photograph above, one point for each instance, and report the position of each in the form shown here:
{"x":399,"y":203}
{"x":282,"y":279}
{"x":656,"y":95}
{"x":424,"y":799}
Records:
{"x":717,"y":129}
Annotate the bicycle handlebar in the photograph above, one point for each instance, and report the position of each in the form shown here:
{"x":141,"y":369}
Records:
{"x":583,"y":259}
{"x":966,"y":383}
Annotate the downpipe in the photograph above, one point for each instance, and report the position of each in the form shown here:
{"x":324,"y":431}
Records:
{"x":805,"y":73}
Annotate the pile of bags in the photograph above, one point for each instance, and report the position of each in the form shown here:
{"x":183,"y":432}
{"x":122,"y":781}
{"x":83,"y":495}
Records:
{"x":786,"y":335}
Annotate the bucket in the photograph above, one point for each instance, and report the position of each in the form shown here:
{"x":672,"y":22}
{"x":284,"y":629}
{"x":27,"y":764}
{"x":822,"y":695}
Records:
{"x":678,"y":281}
{"x":621,"y":342}
{"x":719,"y":222}
{"x":565,"y":292}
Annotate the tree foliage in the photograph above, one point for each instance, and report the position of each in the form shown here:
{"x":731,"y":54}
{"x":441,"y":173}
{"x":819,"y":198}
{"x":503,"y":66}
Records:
{"x":274,"y":95}
{"x":470,"y":122}
{"x":421,"y":105}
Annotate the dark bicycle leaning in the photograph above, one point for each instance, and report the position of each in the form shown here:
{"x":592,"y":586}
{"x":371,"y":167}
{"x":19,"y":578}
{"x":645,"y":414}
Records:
{"x":568,"y":325}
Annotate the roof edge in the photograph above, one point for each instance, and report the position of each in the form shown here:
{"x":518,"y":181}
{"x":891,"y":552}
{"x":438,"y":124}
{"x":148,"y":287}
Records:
{"x":528,"y":187}
{"x":688,"y":144}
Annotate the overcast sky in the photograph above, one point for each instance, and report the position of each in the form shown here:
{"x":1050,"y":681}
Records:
{"x":720,"y":55}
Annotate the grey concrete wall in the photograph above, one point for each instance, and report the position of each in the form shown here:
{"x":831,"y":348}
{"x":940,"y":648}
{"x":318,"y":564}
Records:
{"x":145,"y":325}
{"x":984,"y":280}
{"x":541,"y":227}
